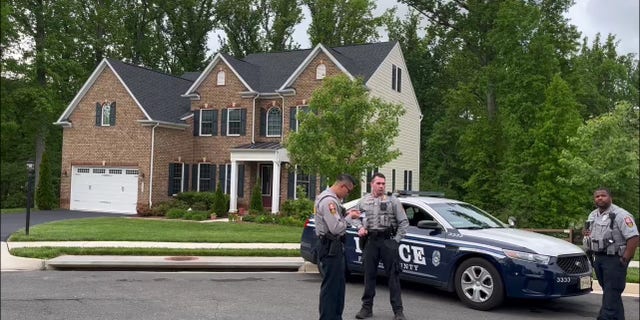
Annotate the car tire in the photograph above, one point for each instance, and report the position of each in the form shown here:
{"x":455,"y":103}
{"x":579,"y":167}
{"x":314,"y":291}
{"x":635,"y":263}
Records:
{"x":478,"y":284}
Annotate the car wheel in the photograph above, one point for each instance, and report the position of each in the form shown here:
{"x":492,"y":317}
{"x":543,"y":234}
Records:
{"x":478,"y":284}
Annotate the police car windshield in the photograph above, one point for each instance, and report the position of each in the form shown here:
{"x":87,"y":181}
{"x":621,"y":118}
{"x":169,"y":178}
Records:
{"x":466,"y":216}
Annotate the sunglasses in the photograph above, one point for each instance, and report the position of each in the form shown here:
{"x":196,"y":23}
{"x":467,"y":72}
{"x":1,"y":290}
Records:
{"x":348,"y":190}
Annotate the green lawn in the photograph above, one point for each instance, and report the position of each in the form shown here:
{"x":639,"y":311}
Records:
{"x":15,"y":210}
{"x":136,"y":229}
{"x":50,"y":252}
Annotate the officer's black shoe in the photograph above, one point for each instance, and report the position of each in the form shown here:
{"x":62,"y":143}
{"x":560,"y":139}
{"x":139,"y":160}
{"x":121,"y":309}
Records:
{"x":399,"y":316}
{"x":364,"y":313}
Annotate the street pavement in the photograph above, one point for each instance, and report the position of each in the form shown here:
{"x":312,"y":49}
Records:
{"x":13,"y":263}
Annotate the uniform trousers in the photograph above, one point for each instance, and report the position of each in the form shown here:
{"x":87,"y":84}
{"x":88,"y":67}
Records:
{"x":332,"y":290}
{"x":375,"y":250}
{"x":612,"y":276}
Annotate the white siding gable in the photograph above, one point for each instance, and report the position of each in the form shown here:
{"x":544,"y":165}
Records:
{"x":408,"y":141}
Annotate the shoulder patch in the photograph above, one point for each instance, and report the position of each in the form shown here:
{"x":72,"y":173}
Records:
{"x":332,"y":208}
{"x":628,"y":221}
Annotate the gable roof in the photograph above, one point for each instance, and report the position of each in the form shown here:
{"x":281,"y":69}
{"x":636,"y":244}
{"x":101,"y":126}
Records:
{"x":269,"y":72}
{"x":156,"y":94}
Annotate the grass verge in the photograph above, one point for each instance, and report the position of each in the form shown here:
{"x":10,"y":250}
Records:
{"x":136,"y":229}
{"x":52,"y":252}
{"x":15,"y":210}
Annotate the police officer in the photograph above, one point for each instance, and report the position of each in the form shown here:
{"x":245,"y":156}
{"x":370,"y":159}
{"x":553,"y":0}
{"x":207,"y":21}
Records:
{"x":330,"y":228}
{"x":383,"y":225}
{"x":612,"y":237}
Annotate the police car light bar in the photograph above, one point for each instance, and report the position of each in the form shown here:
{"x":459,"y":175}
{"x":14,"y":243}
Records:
{"x":435,"y":194}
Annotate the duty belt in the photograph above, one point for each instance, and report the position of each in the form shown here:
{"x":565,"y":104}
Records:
{"x":330,"y":237}
{"x":373,"y":233}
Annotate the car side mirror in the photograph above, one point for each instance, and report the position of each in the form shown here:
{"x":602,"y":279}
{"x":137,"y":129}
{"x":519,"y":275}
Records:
{"x":512,"y":221}
{"x":429,"y":224}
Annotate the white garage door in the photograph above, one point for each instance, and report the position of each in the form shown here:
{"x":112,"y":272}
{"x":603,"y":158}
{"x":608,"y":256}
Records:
{"x":104,"y":189}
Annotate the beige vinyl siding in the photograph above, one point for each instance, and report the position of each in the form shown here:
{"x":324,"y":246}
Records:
{"x":408,"y":141}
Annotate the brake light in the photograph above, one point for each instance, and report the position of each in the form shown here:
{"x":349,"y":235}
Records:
{"x":306,"y":223}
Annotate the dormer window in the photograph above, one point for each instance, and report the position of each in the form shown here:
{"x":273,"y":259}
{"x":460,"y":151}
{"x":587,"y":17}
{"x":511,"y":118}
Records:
{"x":321,"y":71}
{"x":221,"y":81}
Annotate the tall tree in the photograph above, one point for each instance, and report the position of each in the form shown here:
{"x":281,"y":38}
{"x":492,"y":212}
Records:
{"x":257,"y":25}
{"x":604,"y":153}
{"x":344,"y":131}
{"x":342,"y":22}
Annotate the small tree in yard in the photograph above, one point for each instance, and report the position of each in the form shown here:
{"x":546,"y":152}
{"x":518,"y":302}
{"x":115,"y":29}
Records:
{"x":346,"y":131}
{"x":45,"y":194}
{"x":256,"y":199}
{"x":219,"y":203}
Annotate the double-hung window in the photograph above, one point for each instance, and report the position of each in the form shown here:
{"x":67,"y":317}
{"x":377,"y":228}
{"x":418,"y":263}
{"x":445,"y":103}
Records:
{"x":205,"y":175}
{"x":206,"y":122}
{"x":234,"y":122}
{"x":176,"y":178}
{"x":396,"y":78}
{"x":274,"y":122}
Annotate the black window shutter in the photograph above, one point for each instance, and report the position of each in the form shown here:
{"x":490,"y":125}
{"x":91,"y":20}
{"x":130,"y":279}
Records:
{"x":243,"y":121}
{"x":291,"y":183}
{"x":405,"y":180}
{"x":399,"y":80}
{"x":292,"y":118}
{"x":393,"y":77}
{"x":171,"y":176}
{"x":98,"y":114}
{"x":263,"y":122}
{"x":223,"y":123}
{"x":196,"y":123}
{"x":222,"y":176}
{"x":185,"y":177}
{"x":194,"y":177}
{"x":212,"y":177}
{"x":241,"y":181}
{"x":215,"y":123}
{"x":410,"y":180}
{"x":112,"y":115}
{"x":312,"y":187}
{"x":393,"y":180}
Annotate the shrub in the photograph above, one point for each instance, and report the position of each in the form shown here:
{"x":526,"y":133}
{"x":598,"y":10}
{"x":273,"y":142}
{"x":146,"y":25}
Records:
{"x":161,"y":208}
{"x":176,"y":213}
{"x":143,"y":210}
{"x":299,"y":209}
{"x":196,"y":215}
{"x":220,"y":202}
{"x":255,"y":203}
{"x":200,"y":199}
{"x":45,"y":193}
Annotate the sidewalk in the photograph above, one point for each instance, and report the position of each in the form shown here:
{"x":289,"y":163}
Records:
{"x":13,"y":263}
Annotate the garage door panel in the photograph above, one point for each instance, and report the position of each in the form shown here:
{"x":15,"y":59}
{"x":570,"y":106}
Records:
{"x":104,"y":189}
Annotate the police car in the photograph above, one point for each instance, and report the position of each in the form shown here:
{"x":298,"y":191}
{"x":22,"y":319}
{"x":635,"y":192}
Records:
{"x":457,"y":247}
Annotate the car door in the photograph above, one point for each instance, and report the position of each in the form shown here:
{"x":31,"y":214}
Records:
{"x":422,"y":249}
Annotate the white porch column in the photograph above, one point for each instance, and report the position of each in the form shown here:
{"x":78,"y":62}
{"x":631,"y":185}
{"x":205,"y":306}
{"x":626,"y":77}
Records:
{"x":233,"y":196}
{"x":275,"y":188}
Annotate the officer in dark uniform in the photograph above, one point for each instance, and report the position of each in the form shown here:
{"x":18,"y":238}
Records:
{"x":383,"y":225}
{"x":331,"y":223}
{"x":612,"y":237}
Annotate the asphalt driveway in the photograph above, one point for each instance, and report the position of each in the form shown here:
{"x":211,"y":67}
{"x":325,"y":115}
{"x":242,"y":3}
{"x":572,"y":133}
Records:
{"x":11,"y":222}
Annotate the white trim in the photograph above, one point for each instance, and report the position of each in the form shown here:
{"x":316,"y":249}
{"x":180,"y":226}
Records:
{"x":191,"y":92}
{"x":227,"y":125}
{"x":308,"y":60}
{"x":200,"y":124}
{"x":89,"y":83}
{"x":267,"y":123}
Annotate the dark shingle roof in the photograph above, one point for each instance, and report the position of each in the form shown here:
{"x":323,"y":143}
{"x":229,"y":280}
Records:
{"x":158,"y":93}
{"x":266,"y":72}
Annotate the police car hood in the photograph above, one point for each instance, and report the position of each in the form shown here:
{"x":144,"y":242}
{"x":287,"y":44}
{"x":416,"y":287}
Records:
{"x":536,"y":242}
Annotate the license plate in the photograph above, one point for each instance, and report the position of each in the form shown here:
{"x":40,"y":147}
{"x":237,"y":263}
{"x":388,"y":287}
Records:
{"x":585,"y":282}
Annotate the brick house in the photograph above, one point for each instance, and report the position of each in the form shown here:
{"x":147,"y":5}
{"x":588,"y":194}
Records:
{"x":135,"y":137}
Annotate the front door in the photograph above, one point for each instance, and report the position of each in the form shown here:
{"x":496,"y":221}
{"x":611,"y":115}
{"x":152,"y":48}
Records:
{"x":266,"y":171}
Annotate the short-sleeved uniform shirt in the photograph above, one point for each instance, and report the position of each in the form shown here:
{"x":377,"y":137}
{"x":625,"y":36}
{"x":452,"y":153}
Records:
{"x":623,"y":220}
{"x":329,"y":214}
{"x":381,"y":213}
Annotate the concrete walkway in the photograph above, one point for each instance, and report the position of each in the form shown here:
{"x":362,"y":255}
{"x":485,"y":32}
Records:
{"x":13,"y":263}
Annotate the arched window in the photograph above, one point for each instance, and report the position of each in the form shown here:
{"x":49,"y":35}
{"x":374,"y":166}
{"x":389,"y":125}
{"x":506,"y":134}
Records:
{"x":221,"y":78}
{"x":106,"y":114}
{"x":321,"y":71}
{"x":274,"y":122}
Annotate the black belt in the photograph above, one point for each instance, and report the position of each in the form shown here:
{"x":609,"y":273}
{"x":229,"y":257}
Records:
{"x":379,"y":233}
{"x":330,"y":237}
{"x":604,"y":254}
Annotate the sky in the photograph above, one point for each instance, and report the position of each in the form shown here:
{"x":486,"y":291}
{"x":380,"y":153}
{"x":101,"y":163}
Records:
{"x":619,"y":17}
